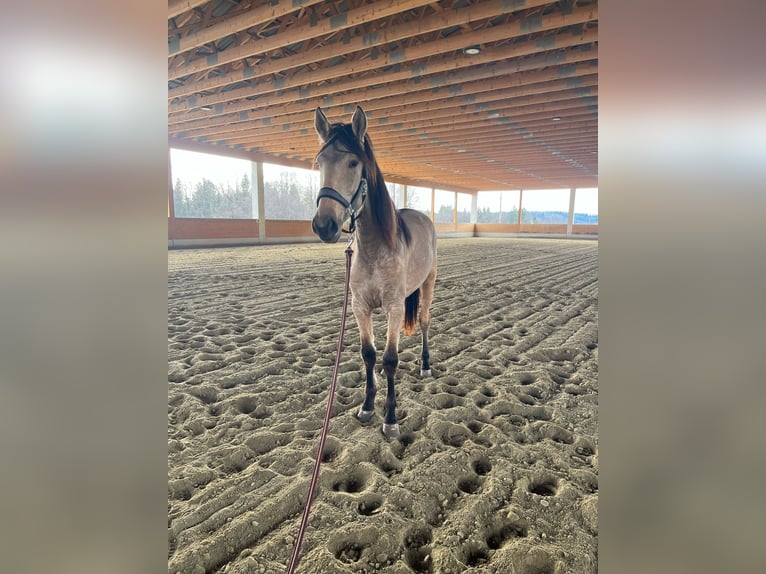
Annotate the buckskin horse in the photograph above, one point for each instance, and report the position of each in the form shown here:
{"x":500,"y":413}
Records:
{"x":395,"y":263}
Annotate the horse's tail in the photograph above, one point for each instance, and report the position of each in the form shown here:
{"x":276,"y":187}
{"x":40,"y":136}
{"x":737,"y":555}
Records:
{"x":411,"y":304}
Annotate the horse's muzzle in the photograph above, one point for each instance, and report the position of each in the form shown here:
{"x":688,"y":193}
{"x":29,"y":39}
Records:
{"x":326,"y":228}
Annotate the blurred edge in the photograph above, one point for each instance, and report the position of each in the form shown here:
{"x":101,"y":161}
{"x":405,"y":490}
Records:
{"x":682,"y":279}
{"x":83,"y":363}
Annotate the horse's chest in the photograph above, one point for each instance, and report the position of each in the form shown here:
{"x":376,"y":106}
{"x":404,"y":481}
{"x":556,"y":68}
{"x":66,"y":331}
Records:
{"x":376,"y":286}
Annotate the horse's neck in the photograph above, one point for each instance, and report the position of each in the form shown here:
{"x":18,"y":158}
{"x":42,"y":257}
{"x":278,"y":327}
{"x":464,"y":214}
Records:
{"x":370,"y":238}
{"x":367,"y":230}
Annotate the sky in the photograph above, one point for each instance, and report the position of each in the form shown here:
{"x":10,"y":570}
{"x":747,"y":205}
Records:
{"x":193,"y":166}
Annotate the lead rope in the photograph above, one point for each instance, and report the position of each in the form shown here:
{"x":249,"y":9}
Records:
{"x":330,"y":399}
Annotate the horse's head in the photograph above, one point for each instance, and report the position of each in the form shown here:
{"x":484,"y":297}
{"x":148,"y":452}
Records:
{"x":341,"y":173}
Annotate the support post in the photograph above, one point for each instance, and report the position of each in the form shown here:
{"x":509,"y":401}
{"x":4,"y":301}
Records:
{"x":404,"y":196}
{"x":521,"y":194}
{"x":171,"y":202}
{"x":454,"y":212}
{"x":474,"y":207}
{"x":433,"y":200}
{"x":570,"y":216}
{"x":258,"y":198}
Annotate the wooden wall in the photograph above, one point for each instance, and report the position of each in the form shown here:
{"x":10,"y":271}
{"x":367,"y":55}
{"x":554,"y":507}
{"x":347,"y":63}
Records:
{"x":188,"y":228}
{"x":199,"y":232}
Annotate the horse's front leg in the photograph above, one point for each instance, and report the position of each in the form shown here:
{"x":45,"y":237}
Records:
{"x":395,"y":317}
{"x":426,"y":296}
{"x":364,"y":320}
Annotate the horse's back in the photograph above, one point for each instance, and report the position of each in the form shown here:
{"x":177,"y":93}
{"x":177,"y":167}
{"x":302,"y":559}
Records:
{"x":419,"y":224}
{"x":422,"y":244}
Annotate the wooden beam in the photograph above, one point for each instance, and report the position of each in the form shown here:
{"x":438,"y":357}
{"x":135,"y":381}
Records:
{"x":405,"y":58}
{"x":506,"y":111}
{"x":380,"y":37}
{"x":177,"y":7}
{"x":207,"y":147}
{"x":488,"y":132}
{"x":307,"y":146}
{"x":492,"y":147}
{"x":253,"y":17}
{"x":569,"y":66}
{"x":458,"y":120}
{"x":424,"y":72}
{"x":376,"y":100}
{"x":470,"y":96}
{"x":334,"y":24}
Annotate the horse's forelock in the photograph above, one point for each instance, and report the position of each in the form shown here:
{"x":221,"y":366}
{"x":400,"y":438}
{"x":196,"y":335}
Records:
{"x":383,"y":207}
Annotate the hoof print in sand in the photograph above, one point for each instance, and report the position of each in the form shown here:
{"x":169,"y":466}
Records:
{"x":482,"y":466}
{"x":355,"y":546}
{"x":537,"y":561}
{"x":474,"y":554}
{"x":547,"y":486}
{"x":447,"y":401}
{"x":369,"y":504}
{"x":417,"y":553}
{"x":354,"y":482}
{"x":350,"y":551}
{"x":332,"y":450}
{"x":499,"y":533}
{"x":470,"y":484}
{"x":452,"y":434}
{"x":400,"y":444}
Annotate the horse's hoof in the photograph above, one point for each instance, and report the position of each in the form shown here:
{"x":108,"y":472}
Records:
{"x":391,"y":431}
{"x":425,"y":373}
{"x":365,"y":416}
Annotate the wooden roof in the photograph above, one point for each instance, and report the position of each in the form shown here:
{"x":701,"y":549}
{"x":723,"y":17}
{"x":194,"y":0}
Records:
{"x":244,"y":78}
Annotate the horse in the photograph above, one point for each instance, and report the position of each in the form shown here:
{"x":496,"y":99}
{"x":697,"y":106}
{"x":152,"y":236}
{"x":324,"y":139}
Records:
{"x":395,"y":264}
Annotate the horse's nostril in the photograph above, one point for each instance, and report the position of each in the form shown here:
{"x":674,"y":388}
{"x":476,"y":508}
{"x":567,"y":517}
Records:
{"x":324,"y":227}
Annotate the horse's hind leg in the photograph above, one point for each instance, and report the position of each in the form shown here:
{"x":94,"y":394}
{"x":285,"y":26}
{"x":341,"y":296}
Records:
{"x":395,"y":316}
{"x":426,"y":296}
{"x":364,"y":320}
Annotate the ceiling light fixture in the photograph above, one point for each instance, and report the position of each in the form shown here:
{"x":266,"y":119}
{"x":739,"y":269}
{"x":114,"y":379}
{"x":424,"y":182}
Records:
{"x":206,"y":108}
{"x":472,"y":50}
{"x":555,"y":119}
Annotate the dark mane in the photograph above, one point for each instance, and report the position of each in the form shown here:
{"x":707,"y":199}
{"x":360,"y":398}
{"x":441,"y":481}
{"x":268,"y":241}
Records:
{"x":384,"y":211}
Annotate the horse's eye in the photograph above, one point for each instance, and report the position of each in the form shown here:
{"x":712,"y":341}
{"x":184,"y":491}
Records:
{"x":353,"y":163}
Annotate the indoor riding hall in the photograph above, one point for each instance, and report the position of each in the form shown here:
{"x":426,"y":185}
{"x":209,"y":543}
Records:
{"x":479,"y":112}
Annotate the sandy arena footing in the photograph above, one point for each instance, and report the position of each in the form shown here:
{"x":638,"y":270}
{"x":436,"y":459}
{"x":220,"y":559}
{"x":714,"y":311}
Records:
{"x":496,"y":468}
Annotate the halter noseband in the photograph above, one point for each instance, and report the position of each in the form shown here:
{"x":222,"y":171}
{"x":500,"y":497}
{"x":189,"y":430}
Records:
{"x":349,"y":205}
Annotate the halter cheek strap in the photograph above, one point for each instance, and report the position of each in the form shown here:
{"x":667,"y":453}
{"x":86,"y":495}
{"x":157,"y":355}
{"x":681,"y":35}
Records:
{"x":330,"y":193}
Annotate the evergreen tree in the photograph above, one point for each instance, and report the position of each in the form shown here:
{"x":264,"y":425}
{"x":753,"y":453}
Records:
{"x":205,"y":200}
{"x":444,"y":215}
{"x":180,"y":201}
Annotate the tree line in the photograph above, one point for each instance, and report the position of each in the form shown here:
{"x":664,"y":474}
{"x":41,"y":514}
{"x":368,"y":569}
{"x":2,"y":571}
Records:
{"x":485,"y":215}
{"x":293,"y":196}
{"x":290,"y":196}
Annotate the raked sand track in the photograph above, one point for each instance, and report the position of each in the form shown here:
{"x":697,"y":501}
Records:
{"x":497,"y":466}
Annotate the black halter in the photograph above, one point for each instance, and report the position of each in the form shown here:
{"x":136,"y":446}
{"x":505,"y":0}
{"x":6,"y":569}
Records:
{"x":349,"y":205}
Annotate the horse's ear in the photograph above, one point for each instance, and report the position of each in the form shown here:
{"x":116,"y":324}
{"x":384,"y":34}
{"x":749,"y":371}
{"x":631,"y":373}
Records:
{"x":359,"y":124}
{"x":321,"y":125}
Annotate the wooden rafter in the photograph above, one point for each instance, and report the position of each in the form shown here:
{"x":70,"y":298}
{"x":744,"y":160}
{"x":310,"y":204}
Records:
{"x":245,"y":78}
